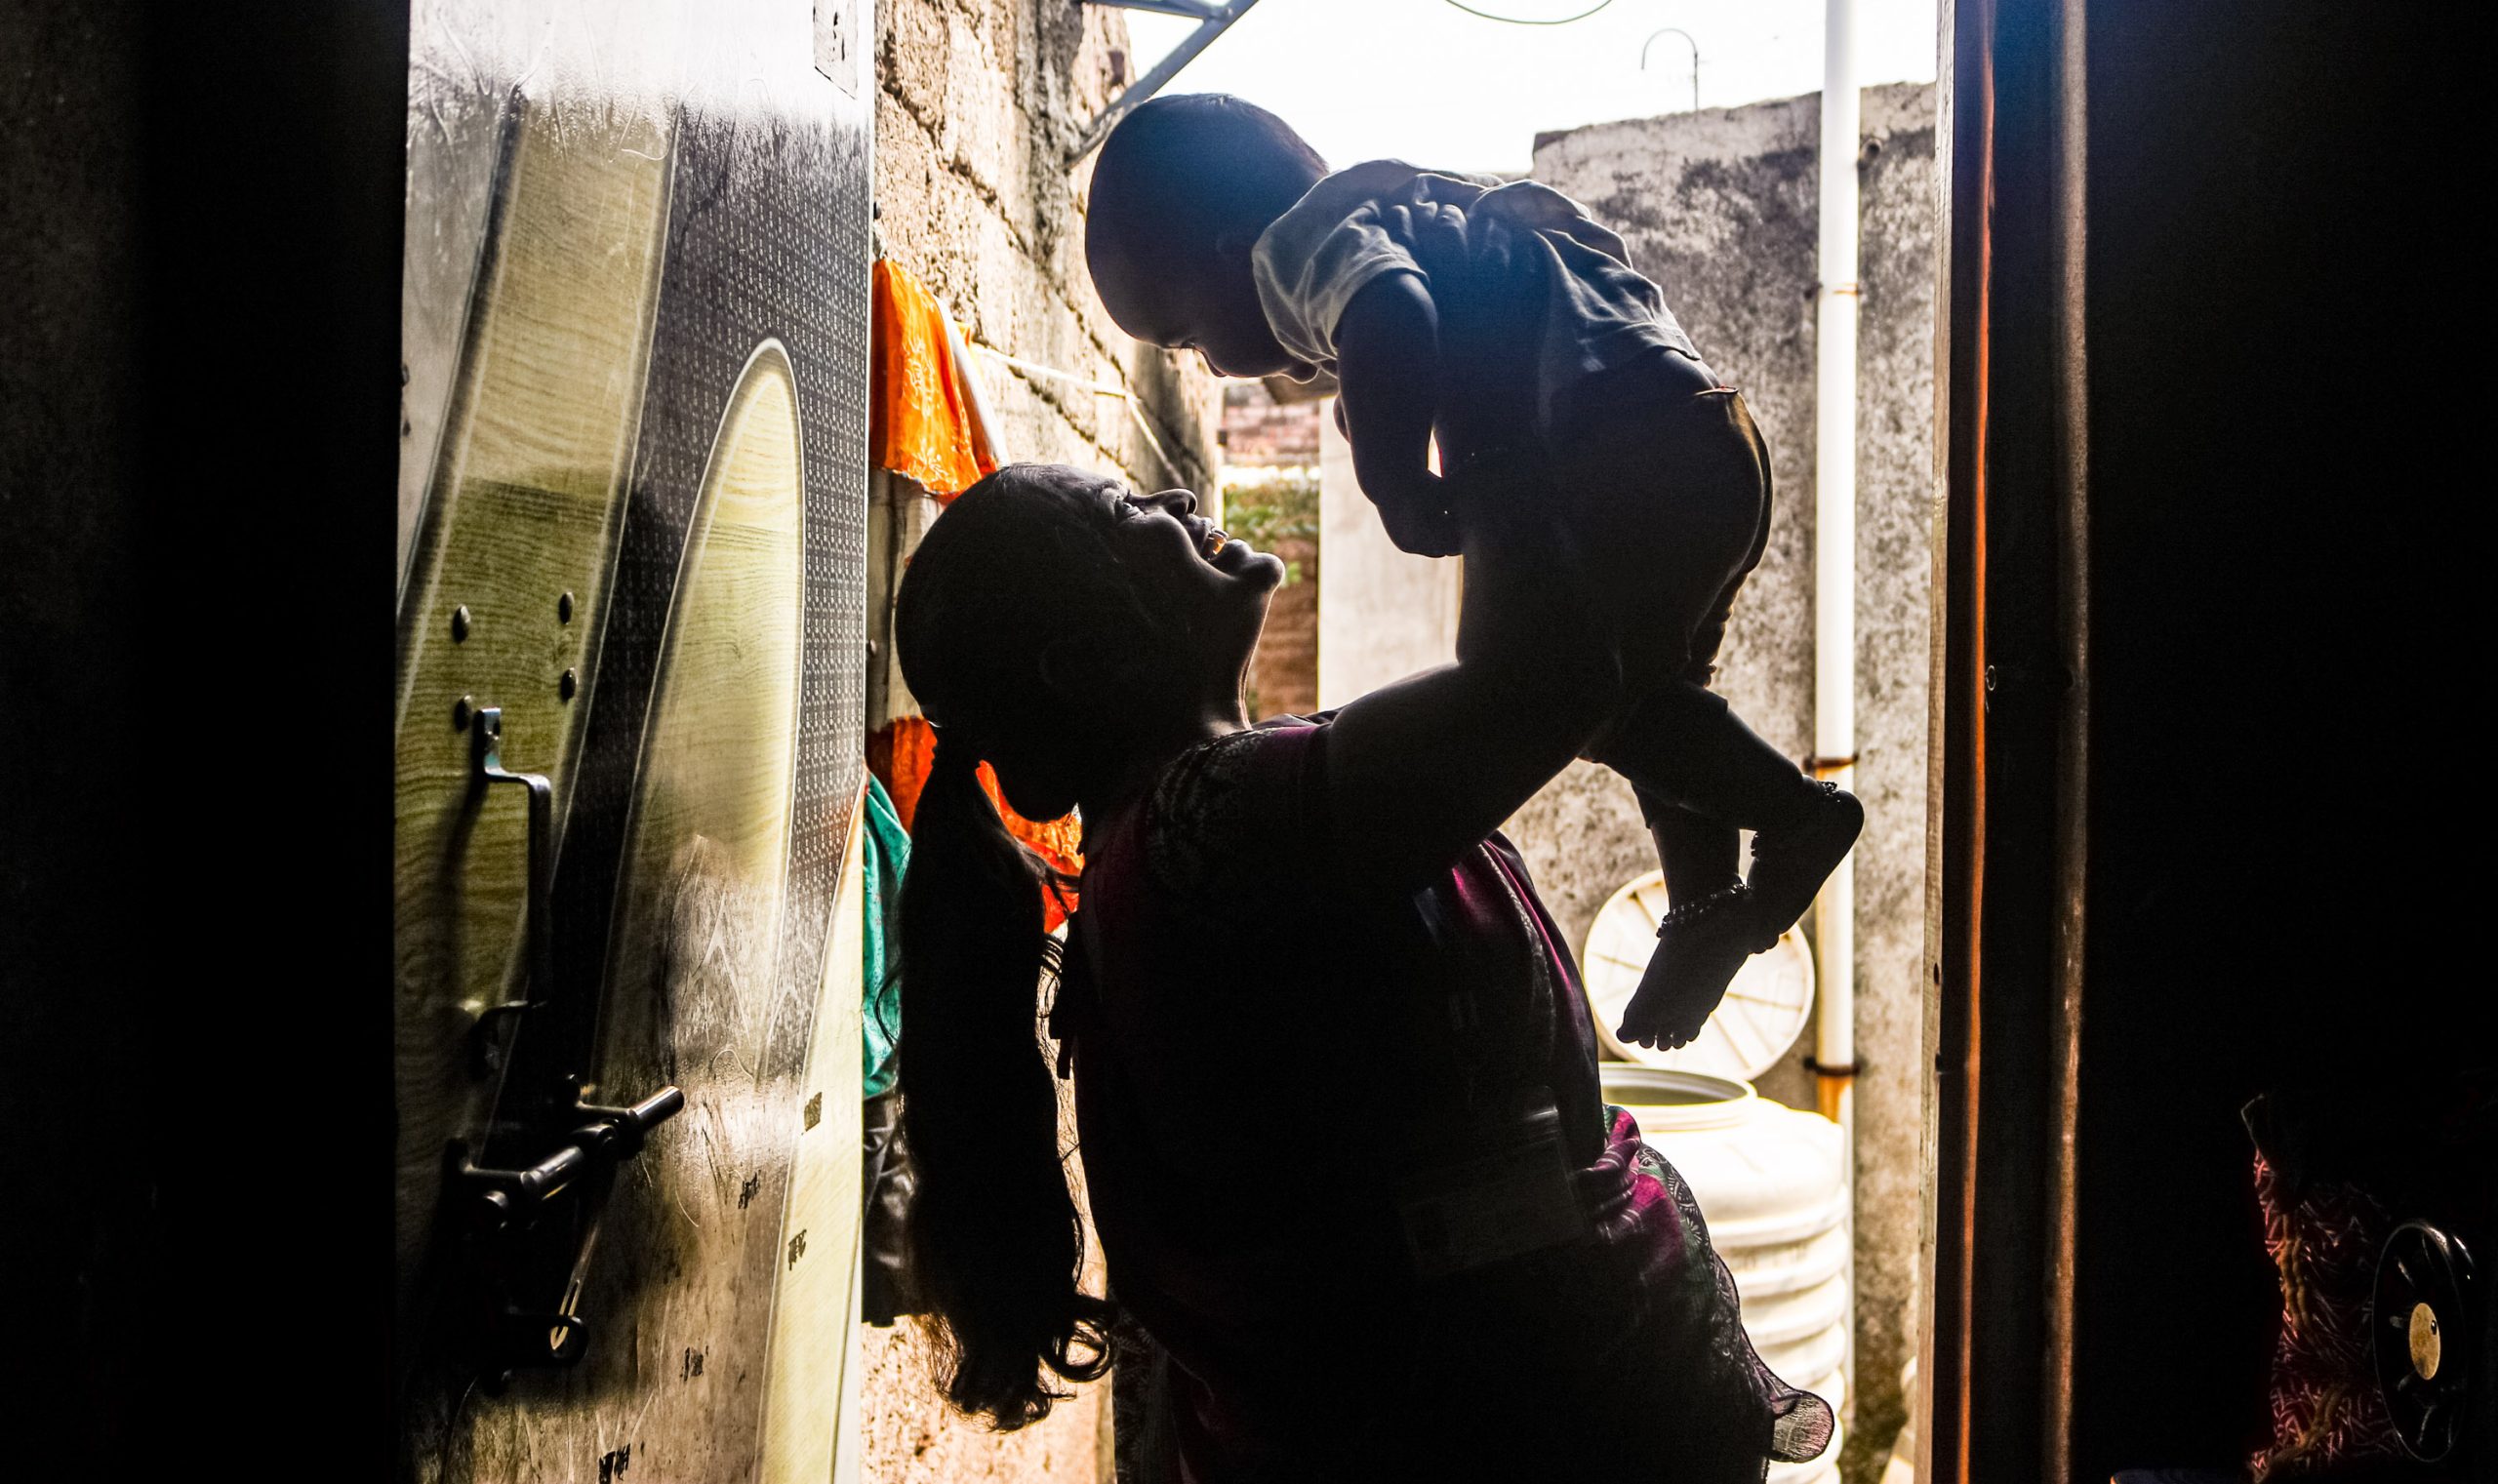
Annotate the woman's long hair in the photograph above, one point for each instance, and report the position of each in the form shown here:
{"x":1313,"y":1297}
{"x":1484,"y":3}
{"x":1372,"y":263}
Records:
{"x":994,"y":1240}
{"x":993,"y":1236}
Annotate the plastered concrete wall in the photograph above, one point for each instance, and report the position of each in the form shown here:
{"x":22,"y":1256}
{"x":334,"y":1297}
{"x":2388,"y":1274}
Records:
{"x":1720,"y":208}
{"x":978,"y":103}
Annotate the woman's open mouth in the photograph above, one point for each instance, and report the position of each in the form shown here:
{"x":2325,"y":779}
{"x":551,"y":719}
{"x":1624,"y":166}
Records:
{"x":1234,"y":559}
{"x":1210,"y":537}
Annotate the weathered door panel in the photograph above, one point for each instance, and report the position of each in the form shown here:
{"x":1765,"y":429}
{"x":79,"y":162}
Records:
{"x":509,"y":587}
{"x":816,"y":1292}
{"x":656,"y":407}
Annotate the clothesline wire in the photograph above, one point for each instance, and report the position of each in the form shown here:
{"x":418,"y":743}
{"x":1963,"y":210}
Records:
{"x":1135,"y":406}
{"x":1051,"y":373}
{"x":1525,"y":20}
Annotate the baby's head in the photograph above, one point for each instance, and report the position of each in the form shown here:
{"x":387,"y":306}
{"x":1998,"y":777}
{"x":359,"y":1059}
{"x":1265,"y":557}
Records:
{"x":1182,"y":189}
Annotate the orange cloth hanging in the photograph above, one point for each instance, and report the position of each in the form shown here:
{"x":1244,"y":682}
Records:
{"x":924,"y":423}
{"x":900,"y":754}
{"x":921,"y":421}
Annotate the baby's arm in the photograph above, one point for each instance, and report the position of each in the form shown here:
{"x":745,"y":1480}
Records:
{"x":1387,"y":360}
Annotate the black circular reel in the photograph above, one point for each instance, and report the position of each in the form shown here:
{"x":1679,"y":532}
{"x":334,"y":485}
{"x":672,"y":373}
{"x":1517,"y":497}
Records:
{"x":2423,"y":1334}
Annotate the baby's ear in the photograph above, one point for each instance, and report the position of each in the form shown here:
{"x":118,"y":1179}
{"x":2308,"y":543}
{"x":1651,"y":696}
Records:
{"x":1235,"y":244}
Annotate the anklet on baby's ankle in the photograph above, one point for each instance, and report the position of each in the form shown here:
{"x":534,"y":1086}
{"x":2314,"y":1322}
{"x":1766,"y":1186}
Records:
{"x":1717,"y":900}
{"x":1826,"y":790}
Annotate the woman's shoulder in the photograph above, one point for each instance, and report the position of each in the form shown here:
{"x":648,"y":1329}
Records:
{"x":1236,"y":809}
{"x":1212,"y":781}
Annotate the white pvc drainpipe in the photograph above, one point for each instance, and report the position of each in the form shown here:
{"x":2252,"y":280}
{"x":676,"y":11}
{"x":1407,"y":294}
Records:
{"x":1835,"y":579}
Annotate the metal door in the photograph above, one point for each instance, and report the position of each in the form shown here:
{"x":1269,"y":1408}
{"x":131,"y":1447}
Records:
{"x":633,"y":541}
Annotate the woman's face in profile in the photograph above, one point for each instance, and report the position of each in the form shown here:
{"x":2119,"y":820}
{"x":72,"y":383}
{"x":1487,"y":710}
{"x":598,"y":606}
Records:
{"x":1194,"y":601}
{"x":1163,"y":538}
{"x":1201,"y":589}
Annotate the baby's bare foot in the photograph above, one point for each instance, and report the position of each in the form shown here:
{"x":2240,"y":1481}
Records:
{"x":1790,"y":865}
{"x":1699,"y":949}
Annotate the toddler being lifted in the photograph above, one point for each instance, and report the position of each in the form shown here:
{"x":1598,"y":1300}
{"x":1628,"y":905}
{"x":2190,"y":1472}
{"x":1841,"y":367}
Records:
{"x":1505,"y":323}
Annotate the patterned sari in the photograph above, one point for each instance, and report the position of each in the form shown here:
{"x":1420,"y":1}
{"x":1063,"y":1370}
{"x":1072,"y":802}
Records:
{"x":1271,"y":1060}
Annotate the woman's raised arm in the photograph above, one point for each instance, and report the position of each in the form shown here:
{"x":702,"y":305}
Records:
{"x":1422,"y":770}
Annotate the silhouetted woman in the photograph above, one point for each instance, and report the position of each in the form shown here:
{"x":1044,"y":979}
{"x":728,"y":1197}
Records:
{"x":1335,"y":1083}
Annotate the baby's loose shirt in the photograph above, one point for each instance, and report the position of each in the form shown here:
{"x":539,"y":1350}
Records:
{"x":1533,"y":295}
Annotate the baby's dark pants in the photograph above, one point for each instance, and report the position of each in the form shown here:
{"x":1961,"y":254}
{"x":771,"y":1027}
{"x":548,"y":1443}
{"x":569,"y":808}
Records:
{"x":1670,"y":498}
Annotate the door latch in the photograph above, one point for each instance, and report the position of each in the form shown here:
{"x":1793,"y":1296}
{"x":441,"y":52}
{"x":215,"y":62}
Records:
{"x":524,"y":1226}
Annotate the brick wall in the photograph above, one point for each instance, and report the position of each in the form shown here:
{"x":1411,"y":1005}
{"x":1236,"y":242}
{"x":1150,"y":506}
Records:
{"x":1261,"y":432}
{"x":1271,"y":451}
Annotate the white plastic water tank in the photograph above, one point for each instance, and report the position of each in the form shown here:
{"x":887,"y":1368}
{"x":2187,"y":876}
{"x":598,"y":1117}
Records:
{"x":1771,"y":1181}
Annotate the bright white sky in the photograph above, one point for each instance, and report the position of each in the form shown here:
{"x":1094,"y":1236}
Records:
{"x":1424,"y":81}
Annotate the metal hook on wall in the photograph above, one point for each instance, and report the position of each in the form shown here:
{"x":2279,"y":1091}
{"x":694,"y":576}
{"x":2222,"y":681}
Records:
{"x":1671,"y":30}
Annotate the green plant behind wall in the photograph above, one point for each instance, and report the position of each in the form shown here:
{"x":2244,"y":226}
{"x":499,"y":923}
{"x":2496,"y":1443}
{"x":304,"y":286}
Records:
{"x":1267,"y":513}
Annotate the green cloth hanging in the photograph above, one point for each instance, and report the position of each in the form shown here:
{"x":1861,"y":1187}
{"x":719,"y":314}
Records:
{"x":888,"y":846}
